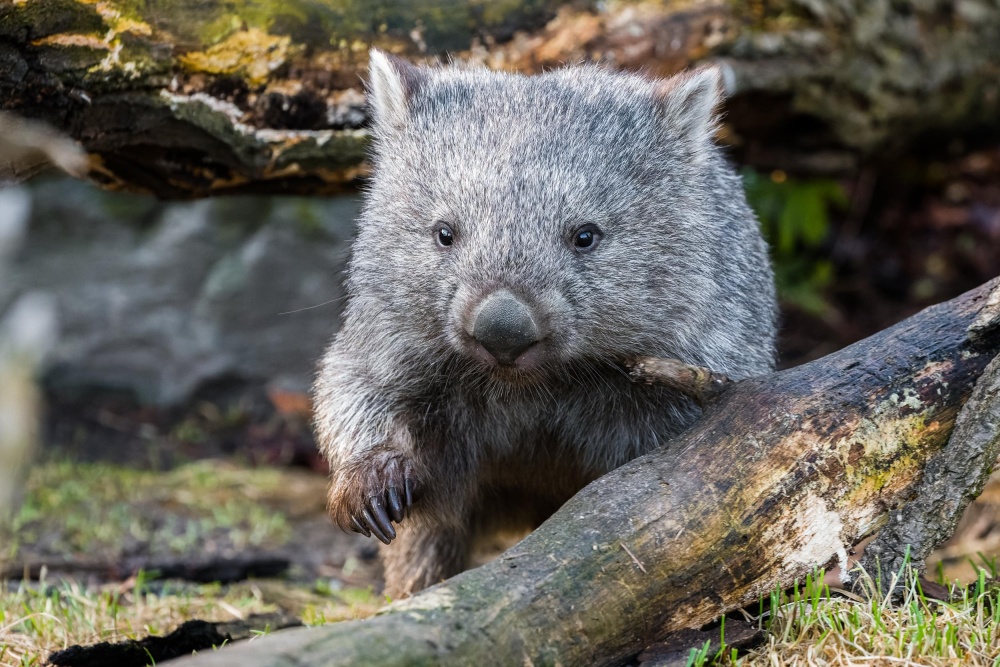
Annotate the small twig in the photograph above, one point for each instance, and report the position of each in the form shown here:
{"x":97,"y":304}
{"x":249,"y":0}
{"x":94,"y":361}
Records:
{"x":701,"y":384}
{"x":622,"y":545}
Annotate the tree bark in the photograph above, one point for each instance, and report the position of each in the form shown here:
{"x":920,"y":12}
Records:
{"x":783,"y":474}
{"x":190,"y":99}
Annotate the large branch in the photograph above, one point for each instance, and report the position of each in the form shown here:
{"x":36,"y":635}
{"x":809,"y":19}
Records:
{"x":191,"y":99}
{"x":783,"y":474}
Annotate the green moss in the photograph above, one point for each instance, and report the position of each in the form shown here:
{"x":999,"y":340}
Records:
{"x":444,"y":25}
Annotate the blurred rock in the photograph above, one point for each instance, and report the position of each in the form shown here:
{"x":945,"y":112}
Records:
{"x":160,"y":300}
{"x":15,"y":206}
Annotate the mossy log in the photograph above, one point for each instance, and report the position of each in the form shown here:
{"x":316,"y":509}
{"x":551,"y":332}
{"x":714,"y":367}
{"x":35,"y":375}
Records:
{"x":783,"y":474}
{"x":189,"y":99}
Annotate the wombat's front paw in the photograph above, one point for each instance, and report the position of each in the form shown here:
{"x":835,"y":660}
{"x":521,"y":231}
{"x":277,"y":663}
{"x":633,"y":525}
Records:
{"x":367,"y":496}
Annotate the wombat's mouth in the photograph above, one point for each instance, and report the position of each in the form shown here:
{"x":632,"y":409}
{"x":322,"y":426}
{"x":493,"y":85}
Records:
{"x":526,"y":363}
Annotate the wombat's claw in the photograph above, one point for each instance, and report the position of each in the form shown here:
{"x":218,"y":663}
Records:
{"x":358,"y":528}
{"x":377,"y":505}
{"x":395,"y":506}
{"x":408,"y":486}
{"x":384,"y":506}
{"x":374,"y":526}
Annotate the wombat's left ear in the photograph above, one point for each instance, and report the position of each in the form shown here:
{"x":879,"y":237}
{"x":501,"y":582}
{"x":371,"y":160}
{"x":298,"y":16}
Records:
{"x":392,"y":82}
{"x":689,"y":101}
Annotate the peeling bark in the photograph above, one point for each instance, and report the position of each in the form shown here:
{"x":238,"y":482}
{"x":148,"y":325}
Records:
{"x":783,"y":474}
{"x":194,"y":99}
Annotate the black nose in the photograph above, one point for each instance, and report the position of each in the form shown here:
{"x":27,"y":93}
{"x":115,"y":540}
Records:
{"x":505,"y":327}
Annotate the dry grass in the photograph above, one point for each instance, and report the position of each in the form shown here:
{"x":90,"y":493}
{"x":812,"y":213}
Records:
{"x":37,"y":620}
{"x":98,"y":512}
{"x":812,"y":625}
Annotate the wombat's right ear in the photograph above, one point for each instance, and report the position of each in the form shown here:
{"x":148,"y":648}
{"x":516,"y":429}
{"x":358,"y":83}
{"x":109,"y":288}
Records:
{"x":688,"y":102}
{"x":391,"y":84}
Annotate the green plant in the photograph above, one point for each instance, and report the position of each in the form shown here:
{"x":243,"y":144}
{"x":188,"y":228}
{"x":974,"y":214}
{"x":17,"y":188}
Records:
{"x":795,"y":219}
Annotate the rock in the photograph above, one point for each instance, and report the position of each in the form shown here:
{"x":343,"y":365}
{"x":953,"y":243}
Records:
{"x":160,"y":300}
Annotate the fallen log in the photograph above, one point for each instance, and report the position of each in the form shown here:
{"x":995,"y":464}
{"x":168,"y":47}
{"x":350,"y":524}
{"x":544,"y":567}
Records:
{"x":783,"y":474}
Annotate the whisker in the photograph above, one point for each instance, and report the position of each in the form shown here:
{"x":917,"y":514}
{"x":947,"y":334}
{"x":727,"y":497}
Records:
{"x":318,"y":305}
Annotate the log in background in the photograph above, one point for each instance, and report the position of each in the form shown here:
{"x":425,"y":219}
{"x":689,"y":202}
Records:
{"x":189,"y":99}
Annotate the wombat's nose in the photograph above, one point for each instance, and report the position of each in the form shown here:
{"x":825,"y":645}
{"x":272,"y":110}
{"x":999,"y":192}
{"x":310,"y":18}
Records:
{"x":505,"y":327}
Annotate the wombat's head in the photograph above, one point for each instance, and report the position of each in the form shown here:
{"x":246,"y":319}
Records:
{"x":520,"y":223}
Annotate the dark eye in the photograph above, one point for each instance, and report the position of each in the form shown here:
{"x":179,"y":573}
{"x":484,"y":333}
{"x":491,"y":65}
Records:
{"x":445,"y":237}
{"x":587,"y":238}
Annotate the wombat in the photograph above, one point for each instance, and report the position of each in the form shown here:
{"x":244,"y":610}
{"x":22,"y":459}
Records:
{"x":521,"y":236}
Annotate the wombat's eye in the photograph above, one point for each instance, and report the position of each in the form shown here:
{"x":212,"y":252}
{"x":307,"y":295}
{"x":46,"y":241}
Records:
{"x":445,"y":237}
{"x":587,"y":238}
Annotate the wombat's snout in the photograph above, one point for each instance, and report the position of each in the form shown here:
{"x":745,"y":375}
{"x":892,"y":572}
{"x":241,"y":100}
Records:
{"x":505,"y":326}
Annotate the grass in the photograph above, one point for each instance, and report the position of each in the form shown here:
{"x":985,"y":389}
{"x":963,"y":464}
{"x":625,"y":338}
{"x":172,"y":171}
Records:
{"x":39,"y":619}
{"x":81,"y":509}
{"x":103,"y":512}
{"x":811,"y":625}
{"x":814,"y":625}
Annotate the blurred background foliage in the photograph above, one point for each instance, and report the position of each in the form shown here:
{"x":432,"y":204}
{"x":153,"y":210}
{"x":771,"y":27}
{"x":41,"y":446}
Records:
{"x":794,"y":216}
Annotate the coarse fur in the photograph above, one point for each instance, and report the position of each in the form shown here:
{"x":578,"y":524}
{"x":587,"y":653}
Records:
{"x":514,"y":165}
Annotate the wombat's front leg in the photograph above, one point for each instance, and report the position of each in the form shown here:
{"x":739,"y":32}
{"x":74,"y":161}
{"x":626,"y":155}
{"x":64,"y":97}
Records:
{"x":362,"y":431}
{"x":424,"y":554}
{"x":371,"y":490}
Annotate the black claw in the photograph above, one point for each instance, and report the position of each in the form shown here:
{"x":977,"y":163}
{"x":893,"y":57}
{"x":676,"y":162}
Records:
{"x":373,"y":525}
{"x":395,"y":506}
{"x":358,"y":528}
{"x":378,"y":510}
{"x":408,"y":486}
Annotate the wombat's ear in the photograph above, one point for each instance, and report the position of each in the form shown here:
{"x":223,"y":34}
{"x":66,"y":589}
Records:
{"x":688,"y":102}
{"x":391,"y":84}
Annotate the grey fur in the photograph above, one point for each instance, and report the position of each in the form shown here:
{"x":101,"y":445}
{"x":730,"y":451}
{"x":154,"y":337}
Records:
{"x":515,"y":164}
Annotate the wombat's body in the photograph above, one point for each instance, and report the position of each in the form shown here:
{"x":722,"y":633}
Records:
{"x":522,"y":236}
